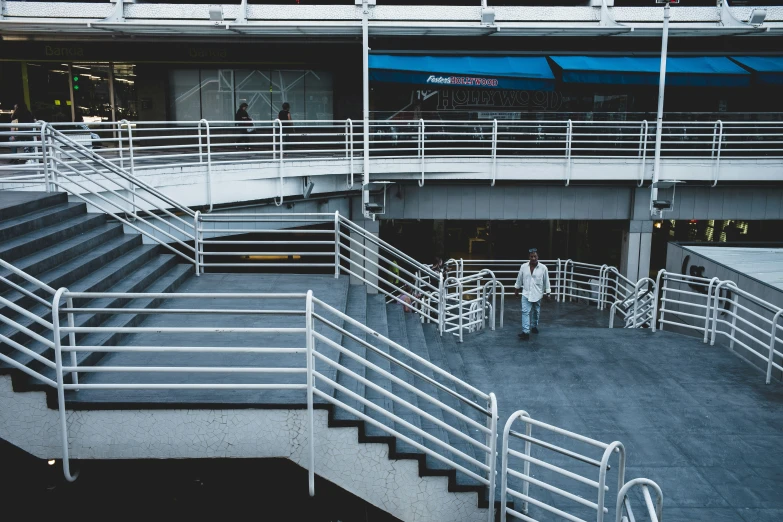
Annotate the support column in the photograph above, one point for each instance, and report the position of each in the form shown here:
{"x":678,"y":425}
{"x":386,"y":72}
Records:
{"x":637,"y":243}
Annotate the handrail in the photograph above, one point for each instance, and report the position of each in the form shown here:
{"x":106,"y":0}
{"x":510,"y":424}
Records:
{"x":753,"y":326}
{"x":654,"y":511}
{"x":527,"y":477}
{"x":642,"y":151}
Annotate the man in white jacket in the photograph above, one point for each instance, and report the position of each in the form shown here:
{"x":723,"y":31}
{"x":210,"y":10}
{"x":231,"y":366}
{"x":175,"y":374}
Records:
{"x":533,"y":280}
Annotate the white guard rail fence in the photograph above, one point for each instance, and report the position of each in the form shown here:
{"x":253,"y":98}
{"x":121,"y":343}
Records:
{"x":714,"y":309}
{"x":143,"y":145}
{"x":293,"y":347}
{"x":469,"y":302}
{"x":653,"y":510}
{"x":542,"y":478}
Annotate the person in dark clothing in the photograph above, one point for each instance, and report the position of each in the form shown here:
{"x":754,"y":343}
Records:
{"x":286,"y":121}
{"x":244,"y":121}
{"x":21,"y":114}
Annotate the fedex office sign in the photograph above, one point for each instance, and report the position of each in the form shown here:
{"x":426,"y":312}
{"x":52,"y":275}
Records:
{"x":468,"y":81}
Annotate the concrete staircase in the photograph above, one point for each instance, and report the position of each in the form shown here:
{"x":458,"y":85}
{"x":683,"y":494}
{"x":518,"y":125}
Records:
{"x":60,"y":244}
{"x":425,"y":341}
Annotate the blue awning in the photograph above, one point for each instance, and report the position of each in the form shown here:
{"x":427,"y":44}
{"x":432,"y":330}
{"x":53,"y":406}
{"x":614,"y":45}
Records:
{"x":705,"y":71}
{"x":483,"y":72}
{"x":766,"y":69}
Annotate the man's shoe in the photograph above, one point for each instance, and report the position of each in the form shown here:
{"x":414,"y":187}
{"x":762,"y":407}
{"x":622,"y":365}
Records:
{"x":524,"y":336}
{"x":534,"y":329}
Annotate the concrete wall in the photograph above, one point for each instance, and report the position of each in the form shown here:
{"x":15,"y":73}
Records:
{"x":676,"y":260}
{"x":363,"y":469}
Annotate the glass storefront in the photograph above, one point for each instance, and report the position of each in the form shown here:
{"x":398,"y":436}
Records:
{"x":215,"y":94}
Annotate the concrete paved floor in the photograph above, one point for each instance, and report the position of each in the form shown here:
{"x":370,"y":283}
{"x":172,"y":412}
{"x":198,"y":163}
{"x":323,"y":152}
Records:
{"x":694,"y":418}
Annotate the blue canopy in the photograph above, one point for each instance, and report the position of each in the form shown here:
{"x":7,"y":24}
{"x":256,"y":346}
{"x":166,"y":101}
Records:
{"x":705,"y":71}
{"x":766,"y":69}
{"x":483,"y":72}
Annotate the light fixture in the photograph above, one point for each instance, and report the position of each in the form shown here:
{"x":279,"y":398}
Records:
{"x":487,"y":16}
{"x":50,"y":462}
{"x":216,"y":13}
{"x":757,"y":16}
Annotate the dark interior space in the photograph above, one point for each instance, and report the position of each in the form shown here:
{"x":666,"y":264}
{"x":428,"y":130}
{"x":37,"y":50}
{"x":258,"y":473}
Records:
{"x":190,"y":489}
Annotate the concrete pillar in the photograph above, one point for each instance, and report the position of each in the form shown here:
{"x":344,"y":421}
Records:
{"x":369,"y":250}
{"x":637,"y":242}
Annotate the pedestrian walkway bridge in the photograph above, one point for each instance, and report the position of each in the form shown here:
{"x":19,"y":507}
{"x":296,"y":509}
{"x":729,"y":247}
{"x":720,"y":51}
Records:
{"x":114,"y":349}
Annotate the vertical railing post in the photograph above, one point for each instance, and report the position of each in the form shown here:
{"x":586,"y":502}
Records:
{"x":58,"y":362}
{"x":734,"y":300}
{"x":421,"y":150}
{"x":72,"y":341}
{"x":441,"y":303}
{"x":120,"y":145}
{"x":197,"y":242}
{"x":310,"y":341}
{"x":131,"y":184}
{"x":714,"y":331}
{"x":614,"y":446}
{"x":643,"y":150}
{"x":494,"y":151}
{"x":661,"y":273}
{"x":279,"y":124}
{"x":710,"y":300}
{"x":772,"y":339}
{"x":45,"y":159}
{"x":569,"y":141}
{"x":349,"y":150}
{"x":492,"y":443}
{"x":336,"y":244}
{"x":557,"y":282}
{"x":719,"y":137}
{"x":209,"y":159}
{"x":460,"y":311}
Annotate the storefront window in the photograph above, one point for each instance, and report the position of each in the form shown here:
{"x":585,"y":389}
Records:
{"x":253,"y":87}
{"x":185,"y":95}
{"x":91,"y":92}
{"x":215,"y":94}
{"x":50,"y":98}
{"x":125,"y":100}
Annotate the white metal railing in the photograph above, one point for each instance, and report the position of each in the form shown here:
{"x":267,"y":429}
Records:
{"x":654,"y":510}
{"x":144,"y":145}
{"x":301,"y":331}
{"x":469,"y":302}
{"x":576,"y":490}
{"x":635,"y":307}
{"x":714,"y":308}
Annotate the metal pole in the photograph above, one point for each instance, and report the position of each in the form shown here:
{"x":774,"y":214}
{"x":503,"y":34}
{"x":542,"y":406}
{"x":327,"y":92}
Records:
{"x":659,"y":118}
{"x":336,"y":244}
{"x":366,"y":105}
{"x":310,"y":341}
{"x":492,"y":422}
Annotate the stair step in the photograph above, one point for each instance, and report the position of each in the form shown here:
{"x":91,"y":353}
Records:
{"x":98,"y":281}
{"x":24,"y":224}
{"x":356,"y":308}
{"x":377,"y":321}
{"x":31,"y":242}
{"x":167,"y":282}
{"x":138,"y":281}
{"x":96,"y":249}
{"x":18,"y":203}
{"x":438,"y":357}
{"x":398,"y":334}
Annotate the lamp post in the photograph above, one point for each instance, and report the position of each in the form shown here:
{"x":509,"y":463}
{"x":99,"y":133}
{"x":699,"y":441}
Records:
{"x":366,"y":105}
{"x":659,"y":119}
